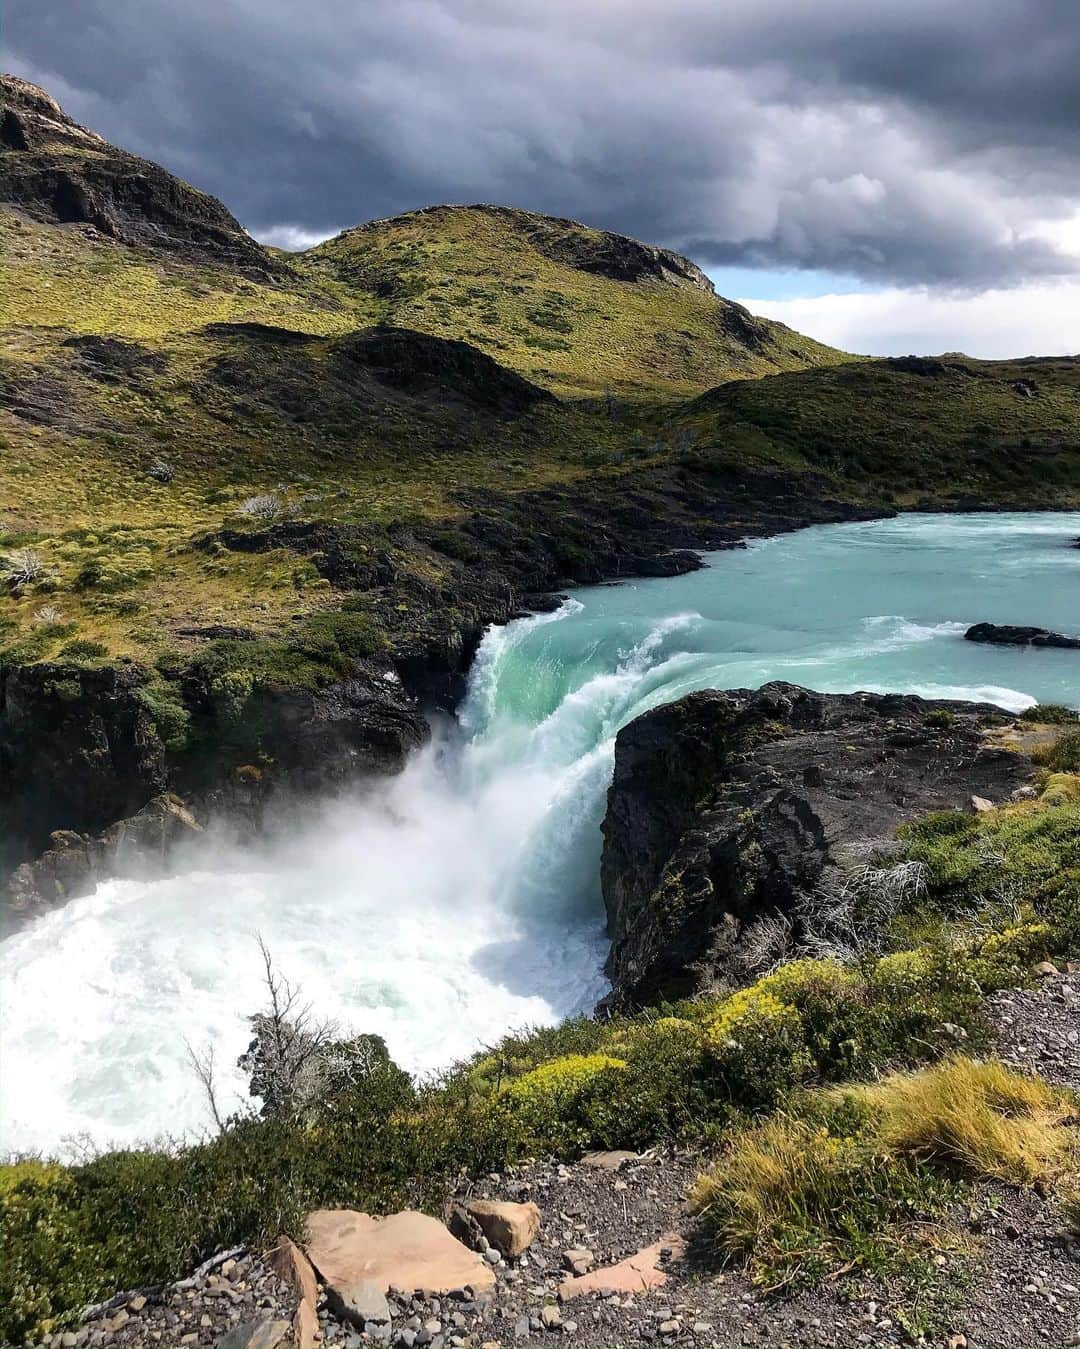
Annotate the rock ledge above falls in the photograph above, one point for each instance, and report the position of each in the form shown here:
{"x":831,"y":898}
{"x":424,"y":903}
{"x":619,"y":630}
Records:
{"x":729,"y":805}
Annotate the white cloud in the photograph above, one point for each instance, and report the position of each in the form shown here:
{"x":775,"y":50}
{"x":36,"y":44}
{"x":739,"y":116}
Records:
{"x":896,"y":141}
{"x":293,"y":238}
{"x":1040,"y":319}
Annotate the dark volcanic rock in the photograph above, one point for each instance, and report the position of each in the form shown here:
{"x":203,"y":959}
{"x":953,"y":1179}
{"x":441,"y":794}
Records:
{"x":416,"y":363}
{"x":728,"y":805}
{"x":78,"y":750}
{"x":57,"y":170}
{"x":112,"y":361}
{"x":351,"y":380}
{"x":74,"y":863}
{"x":344,"y":555}
{"x":612,"y":255}
{"x":1002,"y":634}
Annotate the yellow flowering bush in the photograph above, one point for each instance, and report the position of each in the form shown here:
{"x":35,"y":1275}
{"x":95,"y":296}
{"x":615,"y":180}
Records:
{"x":757,"y":1038}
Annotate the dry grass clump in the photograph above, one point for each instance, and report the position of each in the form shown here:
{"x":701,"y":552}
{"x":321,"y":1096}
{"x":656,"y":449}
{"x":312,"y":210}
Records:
{"x":857,"y":1176}
{"x":981,"y":1119}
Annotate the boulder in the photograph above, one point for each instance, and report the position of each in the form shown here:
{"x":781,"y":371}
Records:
{"x":608,"y":1161}
{"x":262,"y":1333}
{"x":1005,"y":634}
{"x":359,"y":1302}
{"x":510,"y":1228}
{"x":407,"y":1250}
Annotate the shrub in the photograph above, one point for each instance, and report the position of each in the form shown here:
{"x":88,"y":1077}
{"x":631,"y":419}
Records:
{"x":796,"y":1201}
{"x":230,"y":692}
{"x":22,"y":568}
{"x":266,"y":506}
{"x":757,"y":1042}
{"x":114,"y":571}
{"x":842,"y":1179}
{"x":171,"y":718}
{"x":1026,"y":854}
{"x":1050,"y":714}
{"x":940,"y":718}
{"x":567,"y":1102}
{"x":83,"y":650}
{"x":983,"y":1120}
{"x":1064,"y":756}
{"x":831,"y":1001}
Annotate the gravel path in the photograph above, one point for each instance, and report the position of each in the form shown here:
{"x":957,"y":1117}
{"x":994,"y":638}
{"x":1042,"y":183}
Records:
{"x":1039,"y":1029}
{"x":1013,"y":1272}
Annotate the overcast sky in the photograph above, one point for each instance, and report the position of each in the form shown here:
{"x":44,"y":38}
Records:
{"x":890,"y":175}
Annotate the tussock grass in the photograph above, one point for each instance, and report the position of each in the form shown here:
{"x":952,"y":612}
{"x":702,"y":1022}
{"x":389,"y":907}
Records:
{"x":859,"y":1176}
{"x":983,"y":1120}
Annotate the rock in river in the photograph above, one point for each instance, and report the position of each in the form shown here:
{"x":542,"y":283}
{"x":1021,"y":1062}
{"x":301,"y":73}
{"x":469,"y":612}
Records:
{"x":1004,"y":634}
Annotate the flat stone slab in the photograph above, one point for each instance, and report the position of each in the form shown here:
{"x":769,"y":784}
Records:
{"x":636,"y":1274}
{"x":406,"y":1250}
{"x":265,"y":1333}
{"x":608,"y":1161}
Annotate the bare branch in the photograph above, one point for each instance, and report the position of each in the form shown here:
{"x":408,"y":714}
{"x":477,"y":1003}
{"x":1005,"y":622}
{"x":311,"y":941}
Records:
{"x":203,"y":1066}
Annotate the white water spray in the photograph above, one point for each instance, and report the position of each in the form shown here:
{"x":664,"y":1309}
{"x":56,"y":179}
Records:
{"x":460,"y":899}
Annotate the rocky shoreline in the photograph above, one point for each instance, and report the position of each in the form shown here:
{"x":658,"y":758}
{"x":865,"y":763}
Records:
{"x":731,"y":813}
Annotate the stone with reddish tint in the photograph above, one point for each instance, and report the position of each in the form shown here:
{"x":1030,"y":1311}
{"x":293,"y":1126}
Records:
{"x":293,"y":1267}
{"x":636,"y":1274}
{"x":405,"y":1250}
{"x":510,"y":1228}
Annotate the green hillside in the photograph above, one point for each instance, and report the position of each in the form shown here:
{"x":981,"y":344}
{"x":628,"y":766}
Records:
{"x":163,"y":372}
{"x":582,"y":311}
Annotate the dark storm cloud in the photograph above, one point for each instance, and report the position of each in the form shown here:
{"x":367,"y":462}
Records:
{"x":906,"y":142}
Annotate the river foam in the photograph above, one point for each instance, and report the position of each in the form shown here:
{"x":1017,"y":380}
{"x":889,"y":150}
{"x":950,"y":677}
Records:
{"x":462,"y":898}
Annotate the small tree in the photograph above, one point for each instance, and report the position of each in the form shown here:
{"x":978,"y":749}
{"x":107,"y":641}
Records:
{"x":296,"y":1065}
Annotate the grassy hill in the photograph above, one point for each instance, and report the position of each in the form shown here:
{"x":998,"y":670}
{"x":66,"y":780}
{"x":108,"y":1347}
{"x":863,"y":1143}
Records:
{"x":582,"y":311}
{"x":470,"y":391}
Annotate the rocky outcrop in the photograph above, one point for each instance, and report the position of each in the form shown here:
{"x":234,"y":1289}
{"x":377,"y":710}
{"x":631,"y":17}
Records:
{"x":74,"y":863}
{"x":85,"y":779}
{"x":78,"y":750}
{"x":336,"y":380}
{"x":729,"y":805}
{"x":1004,"y":634}
{"x":59,"y":171}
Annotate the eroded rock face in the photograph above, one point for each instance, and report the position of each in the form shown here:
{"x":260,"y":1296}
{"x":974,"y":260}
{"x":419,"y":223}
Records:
{"x":78,"y":750}
{"x":728,"y":805}
{"x":86,"y":783}
{"x":74,"y":863}
{"x":59,"y":171}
